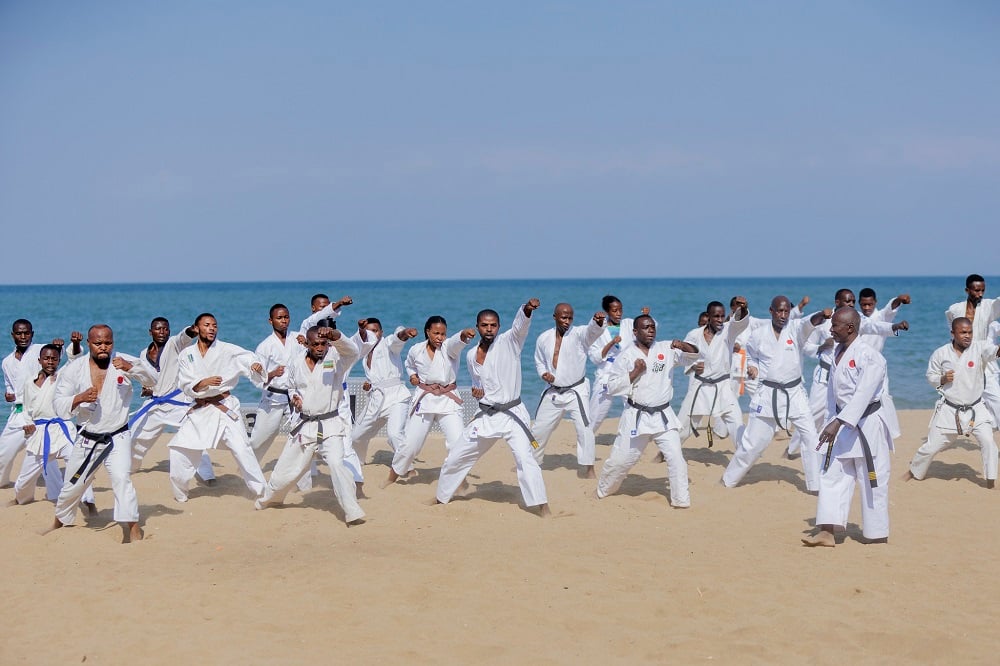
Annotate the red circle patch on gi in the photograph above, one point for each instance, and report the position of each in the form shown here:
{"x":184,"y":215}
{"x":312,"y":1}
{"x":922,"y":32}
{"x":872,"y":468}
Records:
{"x":121,"y":380}
{"x":659,"y":357}
{"x":788,"y":341}
{"x":851,"y":363}
{"x":971,"y":364}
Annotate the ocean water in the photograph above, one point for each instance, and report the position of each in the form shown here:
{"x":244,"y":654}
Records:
{"x":242,"y":310}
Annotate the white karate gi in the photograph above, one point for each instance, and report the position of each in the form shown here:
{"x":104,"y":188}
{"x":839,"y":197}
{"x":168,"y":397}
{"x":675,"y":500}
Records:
{"x":872,"y":331}
{"x":710,"y":396}
{"x":600,"y":399}
{"x":569,"y":393}
{"x":206,"y":426}
{"x":109,"y":414}
{"x":500,"y":378}
{"x":427,"y":408}
{"x":388,"y":399}
{"x":991,"y":394}
{"x":857,"y":384}
{"x":320,"y":389}
{"x":637,"y":427}
{"x":987,"y":312}
{"x":965,"y":391}
{"x":777,"y":359}
{"x":39,"y":408}
{"x":16,"y":372}
{"x":274,"y":406}
{"x":166,"y":407}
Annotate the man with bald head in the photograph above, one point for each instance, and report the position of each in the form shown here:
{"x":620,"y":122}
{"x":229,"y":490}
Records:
{"x":97,"y":389}
{"x":561,"y":362}
{"x":774,"y":356}
{"x":956,"y":370}
{"x":857,"y":437}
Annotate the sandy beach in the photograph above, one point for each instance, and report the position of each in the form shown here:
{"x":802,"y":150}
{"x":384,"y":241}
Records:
{"x":481,"y":580}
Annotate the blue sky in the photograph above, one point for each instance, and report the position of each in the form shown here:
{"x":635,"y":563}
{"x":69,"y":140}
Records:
{"x":216,"y":141}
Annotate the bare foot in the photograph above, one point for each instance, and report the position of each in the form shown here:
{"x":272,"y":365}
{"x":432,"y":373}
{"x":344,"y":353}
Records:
{"x":658,"y":458}
{"x":356,"y":522}
{"x":360,"y":493}
{"x":211,"y":482}
{"x":89,"y":508}
{"x":542,"y":510}
{"x":131,"y":532}
{"x":991,"y":484}
{"x":587,"y":472}
{"x":908,"y":476}
{"x":12,"y":502}
{"x":823,"y":538}
{"x":391,"y":479}
{"x":462,"y":488}
{"x":56,"y":524}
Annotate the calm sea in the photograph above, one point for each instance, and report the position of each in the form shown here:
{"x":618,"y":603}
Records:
{"x":241,"y":309}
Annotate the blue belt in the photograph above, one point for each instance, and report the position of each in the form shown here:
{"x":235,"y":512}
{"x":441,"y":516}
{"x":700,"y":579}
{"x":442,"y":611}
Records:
{"x":167,"y":399}
{"x":47,"y":438}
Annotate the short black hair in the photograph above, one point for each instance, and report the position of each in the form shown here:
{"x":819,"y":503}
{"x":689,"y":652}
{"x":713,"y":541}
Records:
{"x":608,"y":300}
{"x":867,"y":292}
{"x":975,"y":277}
{"x":276,"y":306}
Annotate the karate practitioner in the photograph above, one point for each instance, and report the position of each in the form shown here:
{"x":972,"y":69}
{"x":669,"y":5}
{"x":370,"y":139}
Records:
{"x":775,"y":357}
{"x":616,"y":338}
{"x":874,"y":329}
{"x":97,"y":388}
{"x":857,"y":437}
{"x":710,"y":401}
{"x":167,"y":404}
{"x":315,"y":382}
{"x":642,"y":374}
{"x":49,"y":437}
{"x":19,"y":367}
{"x":957,"y":370}
{"x":495,"y":366}
{"x":388,"y":398}
{"x":207,"y":372}
{"x":561,"y":362}
{"x":868,"y":304}
{"x":432,"y":366}
{"x":982,"y":312}
{"x":276,"y":353}
{"x":742,"y":382}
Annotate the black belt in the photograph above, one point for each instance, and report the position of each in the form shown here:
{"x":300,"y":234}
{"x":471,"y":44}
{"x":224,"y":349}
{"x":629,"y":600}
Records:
{"x":307,"y":418}
{"x":645,"y":409}
{"x":280,"y":391}
{"x":778,"y":386}
{"x":971,"y":407}
{"x":505,"y":408}
{"x":564,"y":389}
{"x":715,"y":396}
{"x":824,"y":365}
{"x":865,"y":447}
{"x":97,"y":438}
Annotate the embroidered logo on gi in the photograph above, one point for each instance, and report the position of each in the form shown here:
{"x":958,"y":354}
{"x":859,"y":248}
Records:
{"x":190,"y":358}
{"x":971,"y":364}
{"x":121,"y":380}
{"x":788,"y":341}
{"x":659,"y":356}
{"x":851,"y":363}
{"x":327,"y":365}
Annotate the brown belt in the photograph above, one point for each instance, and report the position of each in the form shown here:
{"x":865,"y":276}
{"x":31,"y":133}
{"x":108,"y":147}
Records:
{"x":435,"y":389}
